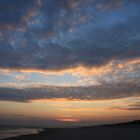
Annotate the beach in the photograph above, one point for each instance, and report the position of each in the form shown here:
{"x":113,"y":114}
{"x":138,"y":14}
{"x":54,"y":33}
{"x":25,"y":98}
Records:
{"x":85,"y":133}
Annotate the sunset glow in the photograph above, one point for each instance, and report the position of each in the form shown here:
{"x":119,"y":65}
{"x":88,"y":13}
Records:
{"x":69,"y":62}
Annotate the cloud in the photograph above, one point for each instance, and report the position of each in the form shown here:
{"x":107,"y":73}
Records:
{"x":130,"y":107}
{"x":135,"y":106}
{"x":13,"y":10}
{"x":53,"y":39}
{"x":106,"y":5}
{"x":98,"y":92}
{"x":20,"y":77}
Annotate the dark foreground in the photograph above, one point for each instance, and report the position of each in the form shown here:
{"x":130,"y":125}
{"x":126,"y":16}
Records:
{"x":89,"y":133}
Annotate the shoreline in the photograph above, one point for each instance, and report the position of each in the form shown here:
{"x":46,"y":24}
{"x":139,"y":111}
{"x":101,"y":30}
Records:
{"x":85,"y":133}
{"x":17,"y":132}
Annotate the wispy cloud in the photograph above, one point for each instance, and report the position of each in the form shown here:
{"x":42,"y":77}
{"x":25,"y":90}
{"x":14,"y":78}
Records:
{"x":130,"y":107}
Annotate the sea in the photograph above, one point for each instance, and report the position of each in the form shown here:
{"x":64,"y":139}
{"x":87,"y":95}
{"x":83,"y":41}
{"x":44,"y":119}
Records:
{"x":14,"y":131}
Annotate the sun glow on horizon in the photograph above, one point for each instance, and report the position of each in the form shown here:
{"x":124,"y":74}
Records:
{"x":69,"y":61}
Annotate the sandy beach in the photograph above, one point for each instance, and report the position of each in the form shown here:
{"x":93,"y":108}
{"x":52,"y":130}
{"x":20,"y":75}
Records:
{"x":86,"y":133}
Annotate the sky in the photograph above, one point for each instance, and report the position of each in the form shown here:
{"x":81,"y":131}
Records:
{"x":69,"y":62}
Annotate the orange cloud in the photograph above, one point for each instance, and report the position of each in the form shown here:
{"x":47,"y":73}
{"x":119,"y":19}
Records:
{"x":81,"y":69}
{"x":20,"y":77}
{"x":87,"y":75}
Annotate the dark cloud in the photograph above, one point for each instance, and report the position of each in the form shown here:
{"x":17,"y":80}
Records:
{"x":106,"y":5}
{"x":11,"y":11}
{"x":64,"y":34}
{"x":99,"y":92}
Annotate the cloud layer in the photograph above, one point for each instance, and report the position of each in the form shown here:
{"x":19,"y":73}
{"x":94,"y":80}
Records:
{"x":57,"y":35}
{"x":131,"y":107}
{"x":100,"y":92}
